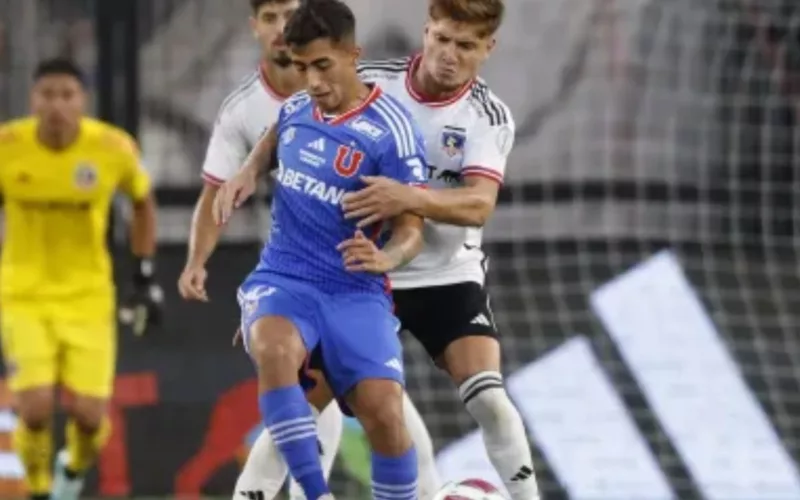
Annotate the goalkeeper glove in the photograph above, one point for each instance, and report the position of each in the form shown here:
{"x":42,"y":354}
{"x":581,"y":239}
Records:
{"x":144,"y":307}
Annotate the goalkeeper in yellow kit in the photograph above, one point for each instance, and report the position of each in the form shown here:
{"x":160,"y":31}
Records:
{"x":59,"y":171}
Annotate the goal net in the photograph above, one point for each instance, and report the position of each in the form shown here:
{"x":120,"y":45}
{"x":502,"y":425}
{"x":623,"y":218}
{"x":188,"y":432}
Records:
{"x":644,"y":272}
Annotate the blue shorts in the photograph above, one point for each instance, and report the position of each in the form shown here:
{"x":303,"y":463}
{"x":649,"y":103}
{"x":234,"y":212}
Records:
{"x":356,"y":332}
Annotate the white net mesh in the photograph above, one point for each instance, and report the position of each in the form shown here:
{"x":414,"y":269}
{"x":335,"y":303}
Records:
{"x":643,"y":125}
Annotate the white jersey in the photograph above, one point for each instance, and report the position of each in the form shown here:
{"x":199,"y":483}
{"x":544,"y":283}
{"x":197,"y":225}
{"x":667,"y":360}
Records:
{"x":245,"y":115}
{"x":471,"y":134}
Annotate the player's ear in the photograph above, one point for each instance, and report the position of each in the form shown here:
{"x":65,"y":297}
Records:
{"x":251,"y":21}
{"x":357,"y":51}
{"x":492,"y":44}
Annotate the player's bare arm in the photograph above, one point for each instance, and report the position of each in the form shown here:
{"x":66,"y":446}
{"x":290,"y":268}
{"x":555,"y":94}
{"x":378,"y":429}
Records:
{"x":142,"y":309}
{"x":203,"y":238}
{"x":260,"y":158}
{"x":406,"y":241}
{"x":361,"y":254}
{"x":470,"y":205}
{"x":235,"y":192}
{"x":143,"y":227}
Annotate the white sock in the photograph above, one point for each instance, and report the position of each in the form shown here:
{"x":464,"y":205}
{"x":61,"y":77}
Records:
{"x":329,"y":432}
{"x":428,"y":481}
{"x":265,"y":471}
{"x":504,"y":434}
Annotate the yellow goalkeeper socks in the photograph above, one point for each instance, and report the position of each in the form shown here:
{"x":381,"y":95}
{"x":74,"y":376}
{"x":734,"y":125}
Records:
{"x":84,"y":447}
{"x":35,"y":449}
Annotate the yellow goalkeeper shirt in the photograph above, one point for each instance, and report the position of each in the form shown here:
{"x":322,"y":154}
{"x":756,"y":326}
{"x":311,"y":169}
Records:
{"x":57,"y":204}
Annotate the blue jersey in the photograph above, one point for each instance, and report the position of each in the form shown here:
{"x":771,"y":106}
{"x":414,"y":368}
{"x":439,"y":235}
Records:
{"x":319,"y":161}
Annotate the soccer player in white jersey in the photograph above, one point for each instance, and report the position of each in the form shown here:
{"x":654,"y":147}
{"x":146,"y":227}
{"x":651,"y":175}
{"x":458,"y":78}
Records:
{"x":243,"y":118}
{"x":440,"y":296}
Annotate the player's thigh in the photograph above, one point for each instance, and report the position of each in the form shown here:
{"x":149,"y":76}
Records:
{"x":360,"y":342}
{"x":455,"y":325}
{"x":89,"y":358}
{"x":274,"y":313}
{"x":30,"y":348}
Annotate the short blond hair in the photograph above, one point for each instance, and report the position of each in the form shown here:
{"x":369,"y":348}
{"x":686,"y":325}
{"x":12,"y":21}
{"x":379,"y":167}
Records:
{"x":488,"y":14}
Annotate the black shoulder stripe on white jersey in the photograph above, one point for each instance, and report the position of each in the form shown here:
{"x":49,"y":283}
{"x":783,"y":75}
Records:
{"x":240,"y":92}
{"x":496,"y":111}
{"x":389,"y":65}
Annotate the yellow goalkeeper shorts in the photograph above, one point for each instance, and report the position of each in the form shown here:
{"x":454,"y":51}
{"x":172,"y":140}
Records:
{"x":43,"y":348}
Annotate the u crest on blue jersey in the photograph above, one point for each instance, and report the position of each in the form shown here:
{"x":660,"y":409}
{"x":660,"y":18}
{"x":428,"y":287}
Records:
{"x":453,"y":139}
{"x":348,"y":161}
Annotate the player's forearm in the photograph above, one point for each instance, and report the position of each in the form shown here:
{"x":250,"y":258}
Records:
{"x":260,"y":158}
{"x":405,"y":244}
{"x":204,"y":233}
{"x":143,"y":228}
{"x":463,"y":206}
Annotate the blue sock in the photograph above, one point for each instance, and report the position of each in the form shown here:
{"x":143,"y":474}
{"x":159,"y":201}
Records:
{"x":288,"y":417}
{"x":394,"y":478}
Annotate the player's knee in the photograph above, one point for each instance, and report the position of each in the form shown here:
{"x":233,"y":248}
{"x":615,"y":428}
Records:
{"x":275,"y":344}
{"x":88,"y":413}
{"x":386,"y":429}
{"x":387,"y":416}
{"x":486,"y":399}
{"x":380,"y":410}
{"x":35,"y":407}
{"x":469,"y":357}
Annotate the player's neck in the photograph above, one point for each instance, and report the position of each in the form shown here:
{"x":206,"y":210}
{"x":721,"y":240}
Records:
{"x":354,"y":96}
{"x":423,"y":83}
{"x":280,"y":81}
{"x":57,"y":139}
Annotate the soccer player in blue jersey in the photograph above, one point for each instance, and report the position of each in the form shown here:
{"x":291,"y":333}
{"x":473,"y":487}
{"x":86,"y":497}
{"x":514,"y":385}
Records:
{"x":320,"y":281}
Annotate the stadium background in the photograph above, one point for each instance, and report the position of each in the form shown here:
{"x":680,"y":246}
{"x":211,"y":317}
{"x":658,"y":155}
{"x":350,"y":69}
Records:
{"x":643,"y":126}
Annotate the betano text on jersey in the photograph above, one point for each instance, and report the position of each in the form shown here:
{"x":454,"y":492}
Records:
{"x":320,"y":160}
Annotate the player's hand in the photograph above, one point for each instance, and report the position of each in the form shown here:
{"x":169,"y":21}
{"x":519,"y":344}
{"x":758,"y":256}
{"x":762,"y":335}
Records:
{"x":232,"y":194}
{"x":143,"y":309}
{"x":360,"y":254}
{"x":192,"y":283}
{"x":382,"y":199}
{"x":237,"y":337}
